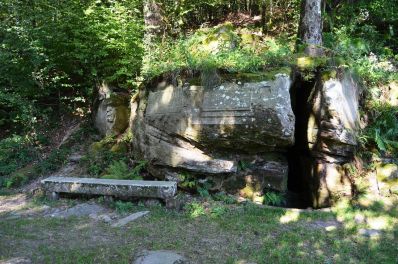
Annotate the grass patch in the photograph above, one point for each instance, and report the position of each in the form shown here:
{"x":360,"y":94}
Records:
{"x":220,"y":47}
{"x":239,"y":233}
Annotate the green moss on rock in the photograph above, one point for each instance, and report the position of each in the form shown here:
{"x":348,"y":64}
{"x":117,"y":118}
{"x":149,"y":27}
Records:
{"x":387,"y":172}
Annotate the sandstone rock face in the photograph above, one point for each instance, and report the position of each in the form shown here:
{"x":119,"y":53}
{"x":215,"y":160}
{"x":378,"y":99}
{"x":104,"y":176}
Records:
{"x":111,"y":111}
{"x":332,"y":127}
{"x":208,"y":130}
{"x":335,"y":117}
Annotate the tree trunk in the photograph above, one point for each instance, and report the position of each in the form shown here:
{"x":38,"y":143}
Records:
{"x":310,"y":30}
{"x":154,"y":29}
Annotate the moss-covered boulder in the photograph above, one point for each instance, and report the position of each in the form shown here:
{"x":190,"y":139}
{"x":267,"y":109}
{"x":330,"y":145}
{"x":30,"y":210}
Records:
{"x":111,"y":116}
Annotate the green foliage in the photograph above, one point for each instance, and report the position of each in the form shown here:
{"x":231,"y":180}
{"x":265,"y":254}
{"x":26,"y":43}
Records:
{"x":362,"y":37}
{"x":53,"y":53}
{"x":203,"y":191}
{"x":15,"y":153}
{"x":273,"y":198}
{"x":28,"y":157}
{"x":54,"y":161}
{"x":15,"y":111}
{"x":243,"y":165}
{"x":190,"y":182}
{"x":280,"y":16}
{"x":15,"y":180}
{"x":100,"y":156}
{"x":221,"y":47}
{"x":195,"y":209}
{"x":218,"y":211}
{"x":223,"y":197}
{"x":383,"y":131}
{"x":123,"y":207}
{"x":121,"y":171}
{"x":187,"y":181}
{"x":211,"y":209}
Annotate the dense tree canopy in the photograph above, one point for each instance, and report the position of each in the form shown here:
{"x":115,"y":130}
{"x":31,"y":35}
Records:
{"x":53,"y":53}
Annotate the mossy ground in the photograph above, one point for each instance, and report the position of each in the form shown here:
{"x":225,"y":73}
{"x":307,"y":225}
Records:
{"x":230,"y":234}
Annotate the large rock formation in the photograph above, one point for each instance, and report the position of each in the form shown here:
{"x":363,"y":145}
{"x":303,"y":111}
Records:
{"x":326,"y":133}
{"x":111,"y":116}
{"x":235,"y":132}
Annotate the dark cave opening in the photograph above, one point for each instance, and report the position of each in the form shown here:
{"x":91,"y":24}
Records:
{"x":299,"y":156}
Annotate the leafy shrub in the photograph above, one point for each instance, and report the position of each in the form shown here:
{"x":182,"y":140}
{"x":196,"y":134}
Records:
{"x":123,"y":207}
{"x":187,"y":181}
{"x":221,"y":47}
{"x":16,"y":152}
{"x":223,"y":197}
{"x":243,"y":165}
{"x":15,"y":180}
{"x":24,"y":157}
{"x":273,"y":198}
{"x":195,"y":209}
{"x":190,"y":182}
{"x":100,"y":157}
{"x":119,"y":170}
{"x":383,"y":131}
{"x":54,"y":161}
{"x":217,"y":211}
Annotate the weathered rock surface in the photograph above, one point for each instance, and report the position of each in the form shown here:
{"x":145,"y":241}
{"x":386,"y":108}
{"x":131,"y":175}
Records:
{"x":160,"y":257}
{"x":80,"y":210}
{"x":111,"y":111}
{"x":18,"y":260}
{"x":386,"y":178}
{"x":387,"y":171}
{"x":334,"y":120}
{"x":371,"y":233}
{"x":332,"y":128}
{"x":328,"y":225}
{"x":118,"y":188}
{"x":269,"y":172}
{"x":130,"y":218}
{"x":205,"y":130}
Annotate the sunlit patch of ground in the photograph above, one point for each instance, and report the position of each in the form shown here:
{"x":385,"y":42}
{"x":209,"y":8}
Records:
{"x":236,"y":234}
{"x":10,"y":203}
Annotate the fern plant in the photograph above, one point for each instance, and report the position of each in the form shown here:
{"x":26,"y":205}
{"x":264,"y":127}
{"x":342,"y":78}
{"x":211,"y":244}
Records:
{"x":119,"y":170}
{"x":273,"y":198}
{"x":383,"y":132}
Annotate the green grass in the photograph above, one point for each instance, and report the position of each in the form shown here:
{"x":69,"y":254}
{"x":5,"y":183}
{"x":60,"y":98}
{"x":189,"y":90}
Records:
{"x":220,"y":47}
{"x":240,"y":233}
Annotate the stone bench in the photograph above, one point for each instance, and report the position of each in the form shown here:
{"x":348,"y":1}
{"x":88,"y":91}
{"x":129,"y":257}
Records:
{"x":117,"y":188}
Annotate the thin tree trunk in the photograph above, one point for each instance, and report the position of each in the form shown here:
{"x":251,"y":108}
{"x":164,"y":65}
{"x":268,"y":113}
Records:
{"x":154,"y":28}
{"x":310,"y":30}
{"x":263,"y":18}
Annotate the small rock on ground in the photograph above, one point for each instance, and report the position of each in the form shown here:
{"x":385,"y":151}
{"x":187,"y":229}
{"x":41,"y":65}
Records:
{"x":128,"y":219}
{"x":152,"y":203}
{"x":372,"y":233}
{"x":84,"y":209}
{"x":75,"y":157}
{"x":328,"y":225}
{"x":17,"y":261}
{"x":160,"y":257}
{"x":103,"y":217}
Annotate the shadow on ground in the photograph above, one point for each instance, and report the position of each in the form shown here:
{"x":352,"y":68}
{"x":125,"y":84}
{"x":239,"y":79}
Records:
{"x":348,"y":233}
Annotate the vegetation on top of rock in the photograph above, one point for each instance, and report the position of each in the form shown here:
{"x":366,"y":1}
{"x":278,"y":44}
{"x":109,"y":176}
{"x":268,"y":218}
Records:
{"x":221,"y":47}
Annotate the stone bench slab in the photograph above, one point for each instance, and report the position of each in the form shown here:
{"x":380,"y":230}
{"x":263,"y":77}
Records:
{"x":117,"y":188}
